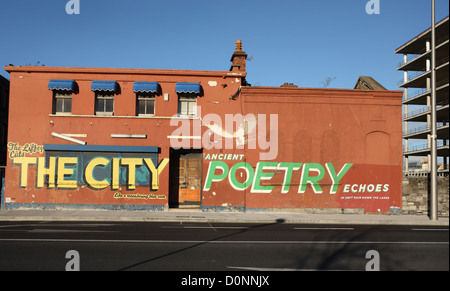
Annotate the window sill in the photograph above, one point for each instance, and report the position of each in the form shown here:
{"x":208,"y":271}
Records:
{"x":181,"y":117}
{"x":101,"y":113}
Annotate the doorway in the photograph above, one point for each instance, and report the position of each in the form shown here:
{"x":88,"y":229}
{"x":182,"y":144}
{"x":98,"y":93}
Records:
{"x":185,"y":182}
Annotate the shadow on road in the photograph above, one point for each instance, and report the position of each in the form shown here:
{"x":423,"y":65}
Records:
{"x":278,"y":221}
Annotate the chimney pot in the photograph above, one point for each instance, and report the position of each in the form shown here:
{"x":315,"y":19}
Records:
{"x":238,"y":59}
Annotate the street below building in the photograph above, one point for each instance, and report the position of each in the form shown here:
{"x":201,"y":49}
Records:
{"x":189,"y":247}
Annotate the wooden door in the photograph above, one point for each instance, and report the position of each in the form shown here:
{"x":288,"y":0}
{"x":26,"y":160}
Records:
{"x":190,"y":178}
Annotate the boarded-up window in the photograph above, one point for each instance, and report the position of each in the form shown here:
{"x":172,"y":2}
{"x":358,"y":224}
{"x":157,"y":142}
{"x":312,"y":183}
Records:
{"x":377,"y":146}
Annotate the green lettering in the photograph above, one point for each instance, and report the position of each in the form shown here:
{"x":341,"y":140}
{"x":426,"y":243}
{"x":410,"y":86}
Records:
{"x":337,"y":178}
{"x":260,"y":175}
{"x":232,"y":177}
{"x":314,"y":180}
{"x":212,"y":177}
{"x":289,"y":168}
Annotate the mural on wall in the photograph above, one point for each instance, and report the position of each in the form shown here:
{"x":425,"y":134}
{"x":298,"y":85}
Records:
{"x":127,"y":172}
{"x":61,"y":169}
{"x":349,"y":185}
{"x":15,"y":150}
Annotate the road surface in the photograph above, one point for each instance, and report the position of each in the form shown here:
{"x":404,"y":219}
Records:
{"x":151,"y":246}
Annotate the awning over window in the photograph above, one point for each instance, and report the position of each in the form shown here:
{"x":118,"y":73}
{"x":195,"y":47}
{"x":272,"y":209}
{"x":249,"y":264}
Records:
{"x":111,"y":86}
{"x":67,"y":85}
{"x":188,"y":88}
{"x":147,"y":87}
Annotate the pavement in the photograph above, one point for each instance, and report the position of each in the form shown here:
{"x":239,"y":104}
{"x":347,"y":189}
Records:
{"x":189,"y":215}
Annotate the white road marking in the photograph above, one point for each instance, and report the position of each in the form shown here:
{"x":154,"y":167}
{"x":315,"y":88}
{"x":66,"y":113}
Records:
{"x":324,"y":228}
{"x":206,"y":227}
{"x":223,"y":241}
{"x":47,"y":230}
{"x":282,"y":269}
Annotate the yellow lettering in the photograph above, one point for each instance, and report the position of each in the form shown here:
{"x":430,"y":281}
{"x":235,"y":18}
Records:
{"x":156,"y":171}
{"x":62,"y":171}
{"x":24,"y":163}
{"x":89,"y":174}
{"x":131,"y":163}
{"x":115,"y":173}
{"x":42,"y":172}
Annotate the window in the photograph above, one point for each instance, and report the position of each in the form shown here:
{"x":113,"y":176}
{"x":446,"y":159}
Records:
{"x":104,"y":103}
{"x":145,"y":104}
{"x":62,"y":103}
{"x":187,"y":104}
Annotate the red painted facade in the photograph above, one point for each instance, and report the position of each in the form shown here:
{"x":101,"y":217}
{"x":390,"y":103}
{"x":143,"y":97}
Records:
{"x":304,"y":148}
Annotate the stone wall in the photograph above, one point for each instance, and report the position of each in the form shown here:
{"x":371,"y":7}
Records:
{"x":415,"y":196}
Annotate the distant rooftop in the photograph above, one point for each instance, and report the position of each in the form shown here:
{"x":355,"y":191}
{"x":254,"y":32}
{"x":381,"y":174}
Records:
{"x":368,"y":83}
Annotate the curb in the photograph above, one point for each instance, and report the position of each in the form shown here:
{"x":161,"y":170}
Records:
{"x":205,"y":217}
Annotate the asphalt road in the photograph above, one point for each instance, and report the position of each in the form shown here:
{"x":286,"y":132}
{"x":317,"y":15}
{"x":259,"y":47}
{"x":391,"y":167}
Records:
{"x":30,"y":246}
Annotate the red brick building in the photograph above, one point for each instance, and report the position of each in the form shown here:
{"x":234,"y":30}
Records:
{"x":141,"y":139}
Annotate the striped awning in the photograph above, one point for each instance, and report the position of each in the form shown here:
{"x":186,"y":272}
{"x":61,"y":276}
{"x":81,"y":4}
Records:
{"x":147,"y":87}
{"x":66,"y":85}
{"x":188,"y":88}
{"x":111,"y":86}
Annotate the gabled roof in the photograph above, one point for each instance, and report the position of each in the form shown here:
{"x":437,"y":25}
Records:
{"x":368,"y":83}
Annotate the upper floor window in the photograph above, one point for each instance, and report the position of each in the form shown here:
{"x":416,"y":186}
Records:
{"x":145,"y":97}
{"x":187,"y":104}
{"x":187,"y":98}
{"x":104,"y":103}
{"x":62,"y":102}
{"x":145,"y":104}
{"x":62,"y":95}
{"x":104,"y":96}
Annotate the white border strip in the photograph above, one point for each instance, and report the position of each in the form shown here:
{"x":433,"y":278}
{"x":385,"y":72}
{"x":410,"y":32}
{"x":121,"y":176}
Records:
{"x":118,"y":135}
{"x":65,"y":137}
{"x":185,"y":137}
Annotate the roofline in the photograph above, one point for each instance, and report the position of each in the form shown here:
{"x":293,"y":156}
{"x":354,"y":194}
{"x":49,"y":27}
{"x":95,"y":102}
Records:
{"x":85,"y":70}
{"x":421,"y":34}
{"x":247,"y":89}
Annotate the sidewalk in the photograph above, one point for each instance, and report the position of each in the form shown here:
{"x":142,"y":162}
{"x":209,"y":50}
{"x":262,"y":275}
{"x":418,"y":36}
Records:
{"x":181,"y":215}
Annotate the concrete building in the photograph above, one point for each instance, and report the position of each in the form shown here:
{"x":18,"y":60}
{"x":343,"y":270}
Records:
{"x":144,"y":139}
{"x":416,"y":66}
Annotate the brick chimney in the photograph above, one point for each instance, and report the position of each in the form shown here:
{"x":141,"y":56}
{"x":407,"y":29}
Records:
{"x":289,"y":85}
{"x":238,"y":59}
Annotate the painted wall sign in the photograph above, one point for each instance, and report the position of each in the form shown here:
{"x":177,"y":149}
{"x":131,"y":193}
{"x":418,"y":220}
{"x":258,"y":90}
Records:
{"x":15,"y":150}
{"x":119,"y":195}
{"x":311,"y":174}
{"x":95,"y":169}
{"x":307,"y":185}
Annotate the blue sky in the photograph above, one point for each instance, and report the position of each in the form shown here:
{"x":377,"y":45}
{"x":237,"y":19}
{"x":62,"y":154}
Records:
{"x":295,"y":41}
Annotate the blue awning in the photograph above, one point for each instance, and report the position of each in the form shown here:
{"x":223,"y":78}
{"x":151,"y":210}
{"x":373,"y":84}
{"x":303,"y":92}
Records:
{"x":146,"y":87}
{"x":67,"y":85}
{"x":188,"y":88}
{"x":104,"y":86}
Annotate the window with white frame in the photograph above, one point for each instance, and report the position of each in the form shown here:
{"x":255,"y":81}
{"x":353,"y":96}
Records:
{"x":62,"y":103}
{"x":187,"y":104}
{"x":104,"y":103}
{"x":145,"y":105}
